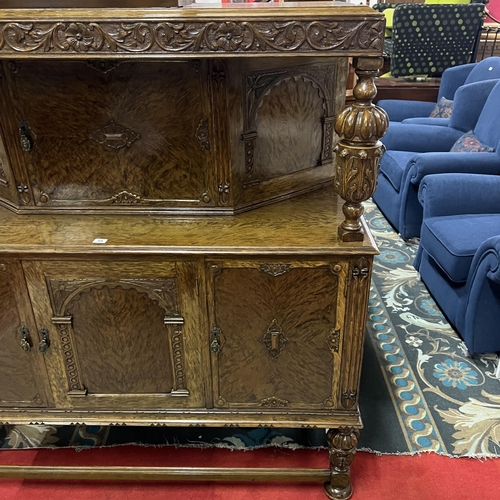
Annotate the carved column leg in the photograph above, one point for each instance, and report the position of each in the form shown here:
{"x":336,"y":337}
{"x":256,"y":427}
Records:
{"x":342,"y":445}
{"x":360,"y":126}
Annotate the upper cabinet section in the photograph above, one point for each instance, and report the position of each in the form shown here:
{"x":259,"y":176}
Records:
{"x":189,"y":137}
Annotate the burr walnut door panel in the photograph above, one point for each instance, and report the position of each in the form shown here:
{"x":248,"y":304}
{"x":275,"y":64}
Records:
{"x":109,"y":134}
{"x":123,"y":335}
{"x":276,"y":333}
{"x":287,"y":118}
{"x":23,"y":377}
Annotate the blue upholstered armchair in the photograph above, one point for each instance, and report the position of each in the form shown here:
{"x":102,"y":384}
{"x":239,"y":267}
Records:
{"x":414,"y":151}
{"x":459,"y":254}
{"x":453,"y":78}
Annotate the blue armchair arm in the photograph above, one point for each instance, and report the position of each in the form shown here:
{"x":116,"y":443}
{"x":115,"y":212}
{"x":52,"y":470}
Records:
{"x":399,"y":110}
{"x":489,"y":250}
{"x":482,"y":309}
{"x":435,"y":122}
{"x":453,"y":78}
{"x":455,"y":194}
{"x":420,"y":138}
{"x":440,"y":163}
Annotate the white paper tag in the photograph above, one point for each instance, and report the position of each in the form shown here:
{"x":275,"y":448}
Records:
{"x":100,"y":241}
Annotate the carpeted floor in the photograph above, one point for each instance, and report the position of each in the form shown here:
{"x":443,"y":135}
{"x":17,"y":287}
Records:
{"x":420,"y":392}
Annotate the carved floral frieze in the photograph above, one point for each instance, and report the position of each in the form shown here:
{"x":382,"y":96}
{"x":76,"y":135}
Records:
{"x":192,"y":36}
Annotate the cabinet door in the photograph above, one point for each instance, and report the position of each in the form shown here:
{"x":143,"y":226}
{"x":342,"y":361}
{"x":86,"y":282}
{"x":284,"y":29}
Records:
{"x":123,"y":334}
{"x":114,"y":134}
{"x":22,"y":370}
{"x":277,"y":333}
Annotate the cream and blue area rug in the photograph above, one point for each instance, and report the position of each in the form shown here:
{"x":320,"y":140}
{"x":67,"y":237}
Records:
{"x":420,"y":390}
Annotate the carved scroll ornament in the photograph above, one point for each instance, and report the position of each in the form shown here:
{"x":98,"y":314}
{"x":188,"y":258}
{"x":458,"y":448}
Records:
{"x":192,"y":36}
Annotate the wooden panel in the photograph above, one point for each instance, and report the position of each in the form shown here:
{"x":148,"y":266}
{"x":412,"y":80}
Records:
{"x":127,"y":334}
{"x":282,"y":125}
{"x":113,"y":134}
{"x":22,"y":372}
{"x":122,"y":342}
{"x":296,"y":104}
{"x":280,"y":331}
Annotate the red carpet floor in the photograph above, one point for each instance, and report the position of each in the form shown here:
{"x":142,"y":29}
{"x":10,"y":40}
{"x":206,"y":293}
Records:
{"x":428,"y":476}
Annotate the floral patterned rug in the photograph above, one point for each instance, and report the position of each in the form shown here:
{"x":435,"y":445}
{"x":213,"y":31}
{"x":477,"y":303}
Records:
{"x":420,"y":390}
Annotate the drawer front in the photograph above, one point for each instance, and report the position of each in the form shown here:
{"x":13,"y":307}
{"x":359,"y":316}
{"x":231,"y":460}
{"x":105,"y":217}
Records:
{"x":123,"y":335}
{"x":277,"y":333}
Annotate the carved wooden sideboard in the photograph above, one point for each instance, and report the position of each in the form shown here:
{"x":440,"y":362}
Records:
{"x":170,"y":250}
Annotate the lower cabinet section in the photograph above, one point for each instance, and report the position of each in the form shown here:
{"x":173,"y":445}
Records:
{"x":125,"y":335}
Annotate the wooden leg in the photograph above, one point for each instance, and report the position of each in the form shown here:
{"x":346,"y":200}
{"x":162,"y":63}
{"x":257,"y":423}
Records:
{"x":357,"y":155}
{"x":342,"y":445}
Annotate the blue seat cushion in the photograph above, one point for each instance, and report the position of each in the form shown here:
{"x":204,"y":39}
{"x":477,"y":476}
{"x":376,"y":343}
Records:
{"x":453,"y":240}
{"x":393,"y":165}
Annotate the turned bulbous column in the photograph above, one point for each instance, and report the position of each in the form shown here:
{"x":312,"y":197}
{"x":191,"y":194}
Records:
{"x":358,"y":153}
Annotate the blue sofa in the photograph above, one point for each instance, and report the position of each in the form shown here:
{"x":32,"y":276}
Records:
{"x":459,"y":254}
{"x":414,"y":151}
{"x":400,"y":110}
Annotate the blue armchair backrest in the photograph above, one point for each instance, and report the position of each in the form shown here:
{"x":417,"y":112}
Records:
{"x":487,"y":128}
{"x":487,"y":69}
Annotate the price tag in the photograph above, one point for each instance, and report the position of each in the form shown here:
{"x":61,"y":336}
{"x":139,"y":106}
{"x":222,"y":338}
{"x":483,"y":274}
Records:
{"x":100,"y":241}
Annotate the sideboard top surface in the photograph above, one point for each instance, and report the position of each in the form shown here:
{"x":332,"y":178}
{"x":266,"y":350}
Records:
{"x":104,"y":9}
{"x":306,"y":225}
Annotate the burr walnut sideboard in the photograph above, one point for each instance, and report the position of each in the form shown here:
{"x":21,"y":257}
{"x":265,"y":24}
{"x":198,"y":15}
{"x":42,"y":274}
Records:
{"x":181,"y":231}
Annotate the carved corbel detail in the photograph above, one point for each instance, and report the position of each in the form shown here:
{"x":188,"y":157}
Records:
{"x":3,"y":176}
{"x":275,"y":269}
{"x":249,"y":140}
{"x":75,"y":385}
{"x":202,"y":135}
{"x":103,"y":65}
{"x":179,"y":388}
{"x":327,"y":152}
{"x":342,"y":445}
{"x":349,"y":398}
{"x":274,"y":402}
{"x":358,"y":153}
{"x":360,"y":270}
{"x":125,"y":198}
{"x":224,"y":193}
{"x":333,"y":340}
{"x":24,"y":193}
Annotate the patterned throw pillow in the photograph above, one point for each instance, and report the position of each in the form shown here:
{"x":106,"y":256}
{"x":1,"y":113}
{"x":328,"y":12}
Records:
{"x":442,"y":109}
{"x":469,"y":143}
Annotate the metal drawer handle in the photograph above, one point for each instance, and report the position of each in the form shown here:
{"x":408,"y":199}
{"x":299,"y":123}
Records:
{"x":25,"y":338}
{"x":25,"y":138}
{"x":45,"y":342}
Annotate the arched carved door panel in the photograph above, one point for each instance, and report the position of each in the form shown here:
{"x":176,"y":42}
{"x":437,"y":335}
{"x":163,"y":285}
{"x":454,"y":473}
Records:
{"x":125,"y":333}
